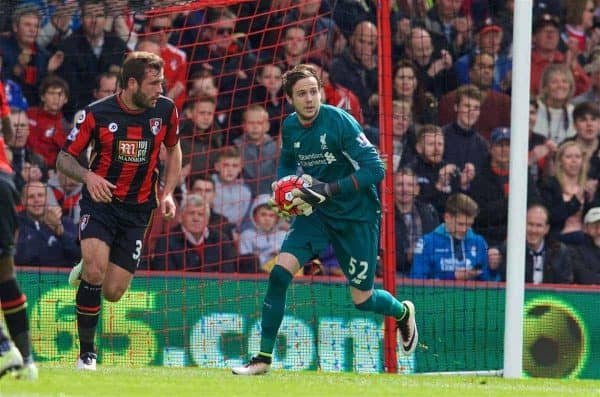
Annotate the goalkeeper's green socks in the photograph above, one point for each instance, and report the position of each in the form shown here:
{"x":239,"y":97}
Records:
{"x":273,"y":308}
{"x":383,"y":302}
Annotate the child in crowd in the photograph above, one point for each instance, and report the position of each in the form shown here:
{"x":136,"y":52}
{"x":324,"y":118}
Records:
{"x":264,"y":237}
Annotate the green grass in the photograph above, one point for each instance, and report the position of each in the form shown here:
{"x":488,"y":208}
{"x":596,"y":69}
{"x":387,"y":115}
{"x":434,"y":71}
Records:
{"x":176,"y":382}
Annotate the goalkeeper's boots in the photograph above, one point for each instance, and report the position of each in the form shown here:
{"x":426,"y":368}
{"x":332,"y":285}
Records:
{"x":10,"y":358}
{"x":29,"y":371}
{"x":408,"y":329}
{"x":87,"y":361}
{"x":258,"y":365}
{"x":75,"y":275}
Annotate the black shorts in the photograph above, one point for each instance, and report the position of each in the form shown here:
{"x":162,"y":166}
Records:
{"x":119,"y":227}
{"x":8,"y":215}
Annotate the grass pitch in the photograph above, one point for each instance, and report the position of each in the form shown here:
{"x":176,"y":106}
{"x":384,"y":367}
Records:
{"x":181,"y":382}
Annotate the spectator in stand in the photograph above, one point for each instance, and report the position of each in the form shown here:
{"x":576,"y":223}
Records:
{"x":490,"y":190}
{"x":587,"y":124}
{"x":200,"y":137}
{"x":407,"y":87}
{"x":495,"y":106}
{"x":436,"y":179}
{"x":447,"y":20}
{"x":107,"y":84}
{"x":453,"y":251}
{"x":414,"y":218}
{"x":463,"y":145}
{"x":593,"y":94}
{"x":23,"y":61}
{"x":336,"y":95}
{"x":579,"y":19}
{"x":356,"y":68}
{"x":192,"y":245}
{"x":47,"y":124}
{"x":546,"y":37}
{"x":264,"y":237}
{"x":27,"y":165}
{"x":45,"y":238}
{"x":232,"y":196}
{"x":586,"y":256}
{"x":202,"y":83}
{"x":488,"y":39}
{"x":205,"y":187}
{"x":226,"y":54}
{"x":268,"y":93}
{"x":258,"y":149}
{"x":541,"y":148}
{"x":555,"y":113}
{"x":62,"y":17}
{"x":293,"y":48}
{"x":325,"y":38}
{"x":403,"y":135}
{"x":566,"y":195}
{"x":546,"y":259}
{"x":66,"y":192}
{"x":88,"y":52}
{"x":120,"y":21}
{"x":434,"y":69}
{"x":158,"y":31}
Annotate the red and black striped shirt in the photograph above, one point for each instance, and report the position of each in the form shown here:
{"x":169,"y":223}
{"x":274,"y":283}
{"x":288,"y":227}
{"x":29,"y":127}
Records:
{"x":125,"y":145}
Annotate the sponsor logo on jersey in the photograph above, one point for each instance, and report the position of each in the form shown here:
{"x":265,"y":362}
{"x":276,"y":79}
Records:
{"x":113,"y":127}
{"x":129,"y":151}
{"x":155,"y":125}
{"x":296,"y":145}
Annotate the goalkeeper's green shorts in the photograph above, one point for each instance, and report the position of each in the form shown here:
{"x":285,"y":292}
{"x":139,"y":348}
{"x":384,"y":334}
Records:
{"x":355,"y":245}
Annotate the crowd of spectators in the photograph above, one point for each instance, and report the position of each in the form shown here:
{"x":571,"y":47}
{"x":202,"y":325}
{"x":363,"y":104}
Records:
{"x":451,"y":83}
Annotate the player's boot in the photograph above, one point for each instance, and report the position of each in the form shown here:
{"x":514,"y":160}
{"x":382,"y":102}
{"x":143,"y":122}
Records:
{"x":258,"y":365}
{"x":10,"y":358}
{"x":408,"y":329}
{"x":29,"y":371}
{"x":75,"y":275}
{"x":87,"y":361}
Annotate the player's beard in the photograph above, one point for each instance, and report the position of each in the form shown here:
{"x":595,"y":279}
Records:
{"x":141,"y":100}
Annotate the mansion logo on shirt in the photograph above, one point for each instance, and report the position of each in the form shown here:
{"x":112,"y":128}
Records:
{"x":129,"y":151}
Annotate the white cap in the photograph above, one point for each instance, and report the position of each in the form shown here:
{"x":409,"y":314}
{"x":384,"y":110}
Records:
{"x":593,"y":215}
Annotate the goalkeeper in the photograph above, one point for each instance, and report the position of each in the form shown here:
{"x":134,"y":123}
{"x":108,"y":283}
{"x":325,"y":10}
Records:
{"x":340,"y":207}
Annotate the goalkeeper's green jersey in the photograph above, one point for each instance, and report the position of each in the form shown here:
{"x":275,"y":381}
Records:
{"x":334,"y":148}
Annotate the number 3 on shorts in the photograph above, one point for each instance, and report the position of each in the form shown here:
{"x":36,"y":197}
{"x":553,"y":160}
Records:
{"x":138,"y":250}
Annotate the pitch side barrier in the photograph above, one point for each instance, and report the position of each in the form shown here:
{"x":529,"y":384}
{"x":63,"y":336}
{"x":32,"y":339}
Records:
{"x":213,"y":320}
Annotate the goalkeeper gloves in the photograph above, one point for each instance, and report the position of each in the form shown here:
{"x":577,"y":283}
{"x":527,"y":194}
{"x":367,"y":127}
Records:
{"x":316,"y":192}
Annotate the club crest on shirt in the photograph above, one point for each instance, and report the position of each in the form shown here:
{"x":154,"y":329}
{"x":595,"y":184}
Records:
{"x":112,"y":127}
{"x":155,"y":125}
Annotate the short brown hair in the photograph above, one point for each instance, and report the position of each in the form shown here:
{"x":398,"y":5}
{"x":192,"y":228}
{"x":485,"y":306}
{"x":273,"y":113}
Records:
{"x":428,"y":129}
{"x":135,"y":66}
{"x":299,"y":72}
{"x":461,"y":204}
{"x":469,"y":91}
{"x":25,"y":9}
{"x":53,"y":81}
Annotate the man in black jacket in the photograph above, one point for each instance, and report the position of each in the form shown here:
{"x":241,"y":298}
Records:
{"x":413,"y":218}
{"x":586,"y":257}
{"x":546,"y":260}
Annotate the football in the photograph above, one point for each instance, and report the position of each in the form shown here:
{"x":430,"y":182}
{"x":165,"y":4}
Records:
{"x":283,"y":192}
{"x":554,"y":342}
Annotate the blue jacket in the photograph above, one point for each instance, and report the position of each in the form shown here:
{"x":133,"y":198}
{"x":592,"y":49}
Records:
{"x":39,"y":246}
{"x":434,"y":256}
